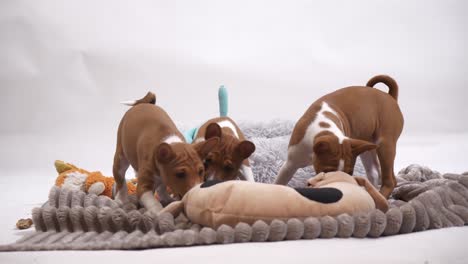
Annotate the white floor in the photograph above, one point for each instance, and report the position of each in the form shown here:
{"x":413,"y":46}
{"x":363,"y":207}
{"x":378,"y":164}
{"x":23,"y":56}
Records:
{"x":24,"y":189}
{"x":439,"y":246}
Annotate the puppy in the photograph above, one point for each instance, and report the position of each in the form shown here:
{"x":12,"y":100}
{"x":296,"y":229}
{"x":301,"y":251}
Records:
{"x":345,"y":124}
{"x":148,"y":140}
{"x":229,"y":159}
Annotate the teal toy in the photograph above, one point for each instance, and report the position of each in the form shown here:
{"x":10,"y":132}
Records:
{"x":223,"y":101}
{"x":190,"y":134}
{"x":223,"y":111}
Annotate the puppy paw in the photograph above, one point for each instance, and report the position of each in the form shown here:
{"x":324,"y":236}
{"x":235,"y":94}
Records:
{"x":122,"y":199}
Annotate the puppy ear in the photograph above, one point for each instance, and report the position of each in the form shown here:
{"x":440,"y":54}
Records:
{"x":213,"y":130}
{"x":205,"y":147}
{"x":321,"y":146}
{"x":245,"y":149}
{"x":379,"y":200}
{"x":359,"y":146}
{"x":164,"y":153}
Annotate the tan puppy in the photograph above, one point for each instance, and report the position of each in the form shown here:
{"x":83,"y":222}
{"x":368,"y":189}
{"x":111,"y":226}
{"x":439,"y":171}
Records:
{"x":342,"y":125}
{"x":149,"y":141}
{"x":229,"y":159}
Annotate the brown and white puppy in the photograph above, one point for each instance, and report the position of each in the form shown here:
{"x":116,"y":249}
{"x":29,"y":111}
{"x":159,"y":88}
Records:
{"x":149,"y":141}
{"x":340,"y":126}
{"x":229,"y":159}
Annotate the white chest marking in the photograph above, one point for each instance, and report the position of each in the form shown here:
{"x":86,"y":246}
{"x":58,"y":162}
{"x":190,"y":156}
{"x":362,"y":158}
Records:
{"x":341,"y":165}
{"x":314,"y":128}
{"x":198,"y":140}
{"x":172,"y":139}
{"x":230,"y":125}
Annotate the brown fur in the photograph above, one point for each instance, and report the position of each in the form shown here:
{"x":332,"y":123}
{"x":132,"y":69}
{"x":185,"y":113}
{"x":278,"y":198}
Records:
{"x":324,"y":125}
{"x":365,"y":116}
{"x":303,"y":123}
{"x":140,"y":143}
{"x":334,"y":119}
{"x":387,"y":80}
{"x":231,"y":152}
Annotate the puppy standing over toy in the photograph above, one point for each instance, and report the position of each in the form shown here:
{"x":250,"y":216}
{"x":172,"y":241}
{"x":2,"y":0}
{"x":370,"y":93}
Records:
{"x":229,"y":159}
{"x":344,"y":124}
{"x":149,"y":141}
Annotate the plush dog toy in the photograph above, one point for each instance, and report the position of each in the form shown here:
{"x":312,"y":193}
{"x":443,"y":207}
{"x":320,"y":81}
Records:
{"x":215,"y":203}
{"x":74,"y":178}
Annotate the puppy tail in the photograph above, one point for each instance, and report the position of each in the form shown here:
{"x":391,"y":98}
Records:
{"x":223,"y":101}
{"x":387,"y":80}
{"x":150,"y":98}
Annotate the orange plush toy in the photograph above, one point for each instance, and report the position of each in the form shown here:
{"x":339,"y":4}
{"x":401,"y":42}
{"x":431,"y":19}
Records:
{"x":74,"y":178}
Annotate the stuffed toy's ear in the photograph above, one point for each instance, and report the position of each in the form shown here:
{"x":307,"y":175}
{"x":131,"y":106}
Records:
{"x":245,"y":149}
{"x":174,"y":208}
{"x":205,"y":147}
{"x":380,"y":201}
{"x":164,"y":153}
{"x":359,"y":146}
{"x":62,"y":166}
{"x":213,"y":130}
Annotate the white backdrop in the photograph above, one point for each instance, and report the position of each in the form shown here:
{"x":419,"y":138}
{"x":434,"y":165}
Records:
{"x":65,"y":65}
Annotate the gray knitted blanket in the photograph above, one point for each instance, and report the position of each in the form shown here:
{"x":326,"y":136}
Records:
{"x":72,"y":220}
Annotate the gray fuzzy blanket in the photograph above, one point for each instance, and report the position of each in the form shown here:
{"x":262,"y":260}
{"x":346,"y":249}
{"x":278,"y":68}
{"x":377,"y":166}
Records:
{"x":72,"y":220}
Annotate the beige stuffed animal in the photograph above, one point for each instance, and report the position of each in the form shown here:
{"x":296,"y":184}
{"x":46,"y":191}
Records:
{"x":215,"y":203}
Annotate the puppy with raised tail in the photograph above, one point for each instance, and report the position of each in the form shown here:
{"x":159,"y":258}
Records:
{"x":229,"y":159}
{"x":148,"y":140}
{"x":340,"y":126}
